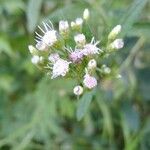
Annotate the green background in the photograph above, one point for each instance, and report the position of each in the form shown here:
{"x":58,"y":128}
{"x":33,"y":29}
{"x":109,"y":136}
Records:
{"x":37,"y":113}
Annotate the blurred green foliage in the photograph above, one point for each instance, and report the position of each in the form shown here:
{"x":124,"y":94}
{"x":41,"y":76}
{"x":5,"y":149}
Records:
{"x":37,"y":113}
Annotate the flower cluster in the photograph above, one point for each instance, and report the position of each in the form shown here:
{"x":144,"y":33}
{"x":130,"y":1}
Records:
{"x":68,"y":53}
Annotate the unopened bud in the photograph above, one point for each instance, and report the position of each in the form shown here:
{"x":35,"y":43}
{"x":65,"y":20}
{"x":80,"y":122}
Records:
{"x":35,"y":59}
{"x":115,"y":31}
{"x":92,"y":64}
{"x":77,"y":24}
{"x":63,"y":26}
{"x":106,"y":69}
{"x":79,"y":21}
{"x":32,"y":50}
{"x":78,"y":90}
{"x":73,"y":24}
{"x":86,"y":14}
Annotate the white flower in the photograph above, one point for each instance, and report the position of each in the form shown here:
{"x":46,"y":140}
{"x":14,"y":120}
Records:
{"x":92,"y":64}
{"x":41,"y":46}
{"x":73,"y":24}
{"x":115,"y":31}
{"x":32,"y":50}
{"x":91,"y":48}
{"x":89,"y":81}
{"x":80,"y":39}
{"x":35,"y":59}
{"x":63,"y":25}
{"x":49,"y":37}
{"x":86,"y":14}
{"x":79,"y":21}
{"x":117,"y":44}
{"x":60,"y":68}
{"x":78,"y":90}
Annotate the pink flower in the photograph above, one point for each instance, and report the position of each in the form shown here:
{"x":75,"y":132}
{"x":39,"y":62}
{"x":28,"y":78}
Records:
{"x":76,"y":56}
{"x":91,"y":48}
{"x":89,"y":81}
{"x":117,"y":44}
{"x":60,"y":68}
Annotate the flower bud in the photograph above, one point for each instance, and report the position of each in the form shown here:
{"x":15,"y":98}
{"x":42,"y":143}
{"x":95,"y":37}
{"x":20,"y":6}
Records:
{"x":79,"y":21}
{"x":86,"y":14}
{"x":80,"y":39}
{"x":106,"y":69}
{"x":32,"y":50}
{"x":117,"y":44}
{"x":73,"y":24}
{"x":64,"y":28}
{"x":77,"y":24}
{"x":115,"y":31}
{"x":63,"y":25}
{"x":35,"y":59}
{"x":78,"y":90}
{"x":92,"y":64}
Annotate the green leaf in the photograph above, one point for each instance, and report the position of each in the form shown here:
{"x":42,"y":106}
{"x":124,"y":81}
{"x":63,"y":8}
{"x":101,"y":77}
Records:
{"x":83,"y":105}
{"x":6,"y":47}
{"x":132,"y":14}
{"x":33,"y":11}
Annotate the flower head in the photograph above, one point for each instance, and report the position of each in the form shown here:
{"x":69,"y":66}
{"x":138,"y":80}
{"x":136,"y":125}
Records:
{"x":91,"y":48}
{"x":49,"y":37}
{"x":60,"y":68}
{"x":63,"y":25}
{"x":80,"y":39}
{"x":76,"y":56}
{"x":117,"y":44}
{"x":89,"y":81}
{"x":78,"y":90}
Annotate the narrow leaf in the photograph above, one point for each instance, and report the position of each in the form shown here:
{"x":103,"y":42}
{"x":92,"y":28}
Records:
{"x":83,"y":105}
{"x":131,"y":15}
